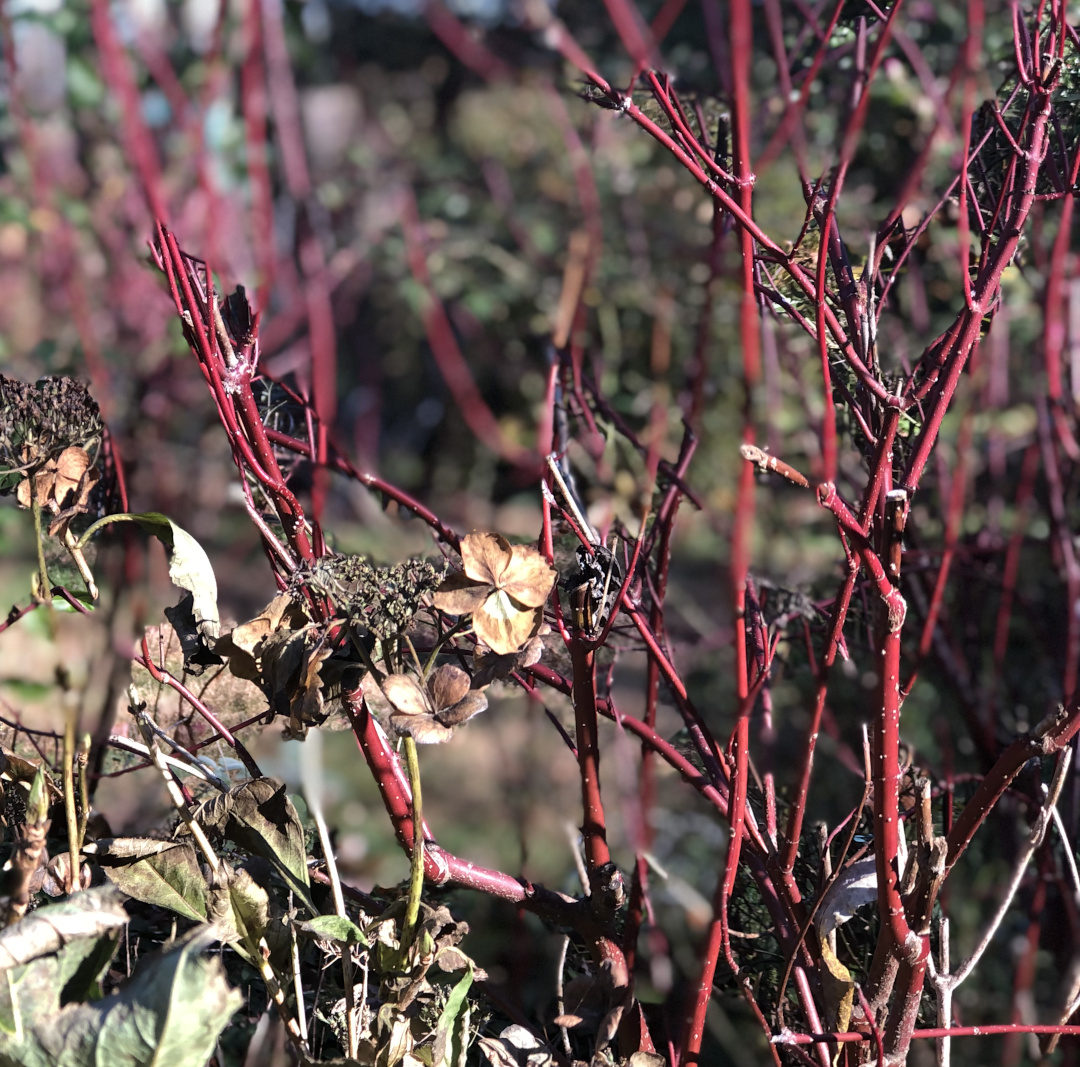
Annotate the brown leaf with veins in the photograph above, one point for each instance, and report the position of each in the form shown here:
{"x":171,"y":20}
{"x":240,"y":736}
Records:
{"x":503,"y":587}
{"x":430,"y":713}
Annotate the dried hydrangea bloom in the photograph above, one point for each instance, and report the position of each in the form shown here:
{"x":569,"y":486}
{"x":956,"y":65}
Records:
{"x":431,"y":712}
{"x":38,"y":423}
{"x":378,"y":600}
{"x":502,"y":586}
{"x":49,"y":433}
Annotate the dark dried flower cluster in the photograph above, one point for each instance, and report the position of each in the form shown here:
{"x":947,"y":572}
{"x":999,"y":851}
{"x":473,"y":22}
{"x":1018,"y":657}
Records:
{"x":39,"y":422}
{"x":379,"y":600}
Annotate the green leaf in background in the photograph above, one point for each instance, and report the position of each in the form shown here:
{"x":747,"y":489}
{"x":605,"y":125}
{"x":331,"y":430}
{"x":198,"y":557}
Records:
{"x":240,"y":908}
{"x":189,"y":565}
{"x":452,"y":1029}
{"x":46,"y":931}
{"x":333,"y":928}
{"x":55,"y":956}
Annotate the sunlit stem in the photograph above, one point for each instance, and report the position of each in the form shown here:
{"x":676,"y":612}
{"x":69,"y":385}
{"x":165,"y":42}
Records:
{"x":461,"y":624}
{"x":71,"y":714}
{"x":311,"y":771}
{"x":84,"y":788}
{"x":416,"y":659}
{"x":79,"y":559}
{"x":416,"y":873}
{"x":44,"y":591}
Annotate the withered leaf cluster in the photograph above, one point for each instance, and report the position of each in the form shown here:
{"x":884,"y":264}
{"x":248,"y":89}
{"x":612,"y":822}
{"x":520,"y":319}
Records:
{"x":503,"y":587}
{"x":303,"y":666}
{"x":489,"y":666}
{"x":289,"y":658}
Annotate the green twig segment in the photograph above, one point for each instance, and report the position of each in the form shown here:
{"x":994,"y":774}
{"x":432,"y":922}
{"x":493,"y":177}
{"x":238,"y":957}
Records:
{"x":416,"y":874}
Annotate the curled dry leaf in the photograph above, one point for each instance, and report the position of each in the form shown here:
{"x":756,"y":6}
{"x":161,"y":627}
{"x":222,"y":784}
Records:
{"x":290,"y":659}
{"x":855,"y":886}
{"x":431,"y":712}
{"x":502,"y":586}
{"x":242,"y":642}
{"x":515,"y":1047}
{"x":55,"y":877}
{"x":94,"y":913}
{"x":489,"y":665}
{"x":62,"y":486}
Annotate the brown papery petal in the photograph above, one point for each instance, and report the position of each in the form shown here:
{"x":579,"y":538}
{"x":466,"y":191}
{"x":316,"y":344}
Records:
{"x":471,"y":704}
{"x":248,"y":634}
{"x":505,"y":631}
{"x":84,"y":488}
{"x":530,"y":577}
{"x":45,"y":483}
{"x":486,"y":557}
{"x":72,"y":462}
{"x":488,"y":665}
{"x":447,"y":686}
{"x":424,"y":730}
{"x":460,"y":595}
{"x":406,"y":694}
{"x":531,"y":653}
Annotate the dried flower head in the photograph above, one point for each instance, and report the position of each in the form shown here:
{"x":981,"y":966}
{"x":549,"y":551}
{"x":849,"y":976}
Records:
{"x":431,"y":712}
{"x":39,"y":423}
{"x":503,"y":587}
{"x":379,"y":600}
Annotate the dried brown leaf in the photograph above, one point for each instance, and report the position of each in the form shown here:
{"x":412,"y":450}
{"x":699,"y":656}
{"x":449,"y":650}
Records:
{"x":71,"y":465}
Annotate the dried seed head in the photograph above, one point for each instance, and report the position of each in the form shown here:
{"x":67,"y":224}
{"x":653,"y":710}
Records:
{"x":379,"y":600}
{"x":39,"y":423}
